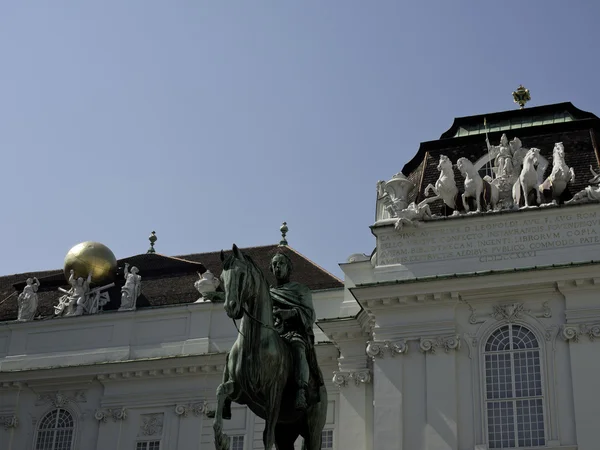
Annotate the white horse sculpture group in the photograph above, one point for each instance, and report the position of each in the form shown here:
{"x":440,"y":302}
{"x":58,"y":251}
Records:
{"x":528,"y":188}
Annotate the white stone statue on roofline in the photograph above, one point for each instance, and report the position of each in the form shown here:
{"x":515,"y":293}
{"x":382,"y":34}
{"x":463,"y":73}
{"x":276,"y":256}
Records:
{"x":28,"y":300}
{"x":392,"y":196}
{"x":80,"y":299}
{"x":591,"y":193}
{"x":206,"y":284}
{"x":132,"y":288}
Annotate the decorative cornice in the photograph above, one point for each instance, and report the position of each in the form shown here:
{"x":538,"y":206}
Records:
{"x":167,"y":372}
{"x":572,"y":333}
{"x":196,"y":409}
{"x":378,"y":349}
{"x":60,"y":399}
{"x":9,"y":422}
{"x":341,"y":379}
{"x":102,"y":415}
{"x":411,"y":300}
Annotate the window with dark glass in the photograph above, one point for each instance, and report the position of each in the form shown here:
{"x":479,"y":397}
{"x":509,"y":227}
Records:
{"x":55,"y":431}
{"x":513,"y":389}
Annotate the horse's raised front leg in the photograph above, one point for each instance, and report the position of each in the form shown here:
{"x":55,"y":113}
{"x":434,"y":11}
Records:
{"x":224,"y":392}
{"x":273,"y":406}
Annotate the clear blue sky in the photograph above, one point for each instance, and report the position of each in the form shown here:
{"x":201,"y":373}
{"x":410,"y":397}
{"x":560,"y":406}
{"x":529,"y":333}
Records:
{"x":211,"y":122}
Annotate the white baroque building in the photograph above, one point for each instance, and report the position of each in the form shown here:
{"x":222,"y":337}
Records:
{"x":472,"y":325}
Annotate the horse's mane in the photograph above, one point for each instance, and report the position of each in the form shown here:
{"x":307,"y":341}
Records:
{"x":231,"y":257}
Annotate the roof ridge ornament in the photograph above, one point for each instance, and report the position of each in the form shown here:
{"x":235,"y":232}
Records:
{"x":284,"y":229}
{"x":152,"y":238}
{"x":521,"y":96}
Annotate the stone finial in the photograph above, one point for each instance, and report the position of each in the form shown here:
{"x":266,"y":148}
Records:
{"x":152,"y":240}
{"x":284,"y":230}
{"x":521,"y":96}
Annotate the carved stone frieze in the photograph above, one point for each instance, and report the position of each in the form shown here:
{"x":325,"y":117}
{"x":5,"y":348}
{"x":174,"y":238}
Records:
{"x":342,"y":379}
{"x":151,"y":424}
{"x":378,"y":349}
{"x":60,"y":399}
{"x":8,"y":422}
{"x":102,"y":415}
{"x":196,"y":409}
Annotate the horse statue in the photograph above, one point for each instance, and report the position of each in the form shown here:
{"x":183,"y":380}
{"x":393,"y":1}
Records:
{"x":259,"y":367}
{"x":477,"y":187}
{"x":528,"y":180}
{"x":560,"y":176}
{"x":445,"y":186}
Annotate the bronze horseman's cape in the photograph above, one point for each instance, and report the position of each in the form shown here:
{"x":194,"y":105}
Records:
{"x":296,"y":295}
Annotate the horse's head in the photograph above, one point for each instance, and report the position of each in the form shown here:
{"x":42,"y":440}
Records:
{"x":559,"y":152}
{"x":444,"y":163}
{"x":464,"y":165}
{"x":532,"y":156}
{"x":235,"y":278}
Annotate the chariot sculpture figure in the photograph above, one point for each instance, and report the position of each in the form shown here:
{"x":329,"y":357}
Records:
{"x":272,"y":366}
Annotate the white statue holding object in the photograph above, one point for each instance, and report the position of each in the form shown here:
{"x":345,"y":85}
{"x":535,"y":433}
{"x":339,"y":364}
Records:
{"x":206,"y":283}
{"x":80,"y":300}
{"x":477,"y":187}
{"x":28,"y":300}
{"x":74,"y":300}
{"x":132,"y":288}
{"x":508,"y":156}
{"x":445,"y":186}
{"x":392,"y":196}
{"x":561,"y":174}
{"x":591,"y":193}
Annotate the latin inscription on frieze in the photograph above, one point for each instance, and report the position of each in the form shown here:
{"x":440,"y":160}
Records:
{"x":490,"y":241}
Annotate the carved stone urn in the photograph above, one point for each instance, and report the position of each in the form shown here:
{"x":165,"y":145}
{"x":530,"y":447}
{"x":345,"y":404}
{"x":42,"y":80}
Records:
{"x":207,"y":283}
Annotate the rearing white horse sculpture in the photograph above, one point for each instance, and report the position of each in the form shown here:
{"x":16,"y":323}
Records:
{"x":475,"y":186}
{"x":561,"y":174}
{"x":445,"y":186}
{"x":528,"y":179}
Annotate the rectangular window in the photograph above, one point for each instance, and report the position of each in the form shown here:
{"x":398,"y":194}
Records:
{"x":147,"y":445}
{"x":327,"y":439}
{"x":236,"y":442}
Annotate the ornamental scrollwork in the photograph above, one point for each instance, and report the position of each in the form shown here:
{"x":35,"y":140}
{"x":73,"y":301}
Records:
{"x":195,"y":408}
{"x":509,"y":312}
{"x":378,"y":349}
{"x":102,"y":415}
{"x":342,"y":379}
{"x":428,"y":345}
{"x":571,"y":333}
{"x":9,"y":422}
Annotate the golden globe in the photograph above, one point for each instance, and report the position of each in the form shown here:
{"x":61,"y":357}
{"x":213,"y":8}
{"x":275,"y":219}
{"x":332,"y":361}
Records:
{"x":91,"y":257}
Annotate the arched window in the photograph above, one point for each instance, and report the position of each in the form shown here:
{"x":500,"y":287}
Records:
{"x":513,"y":389}
{"x":55,"y":431}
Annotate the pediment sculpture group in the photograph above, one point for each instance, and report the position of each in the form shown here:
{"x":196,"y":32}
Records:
{"x":517,"y":181}
{"x":81,"y":299}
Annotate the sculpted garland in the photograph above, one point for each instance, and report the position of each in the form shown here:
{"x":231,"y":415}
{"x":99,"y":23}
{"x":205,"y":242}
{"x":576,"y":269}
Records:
{"x":517,"y":181}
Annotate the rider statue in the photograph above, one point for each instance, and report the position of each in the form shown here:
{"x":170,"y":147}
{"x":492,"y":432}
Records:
{"x":294,"y":319}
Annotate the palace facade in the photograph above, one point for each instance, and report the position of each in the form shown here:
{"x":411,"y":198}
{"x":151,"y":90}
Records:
{"x":473,"y":325}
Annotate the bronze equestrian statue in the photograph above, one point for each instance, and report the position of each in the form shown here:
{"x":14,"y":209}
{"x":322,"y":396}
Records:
{"x":272,"y":367}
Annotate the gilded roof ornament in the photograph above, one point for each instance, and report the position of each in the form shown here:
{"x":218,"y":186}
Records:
{"x":152,"y":240}
{"x":284,"y":230}
{"x":521,"y":96}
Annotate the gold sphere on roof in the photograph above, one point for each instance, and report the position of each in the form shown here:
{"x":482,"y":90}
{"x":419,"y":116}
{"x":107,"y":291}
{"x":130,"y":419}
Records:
{"x":91,"y":257}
